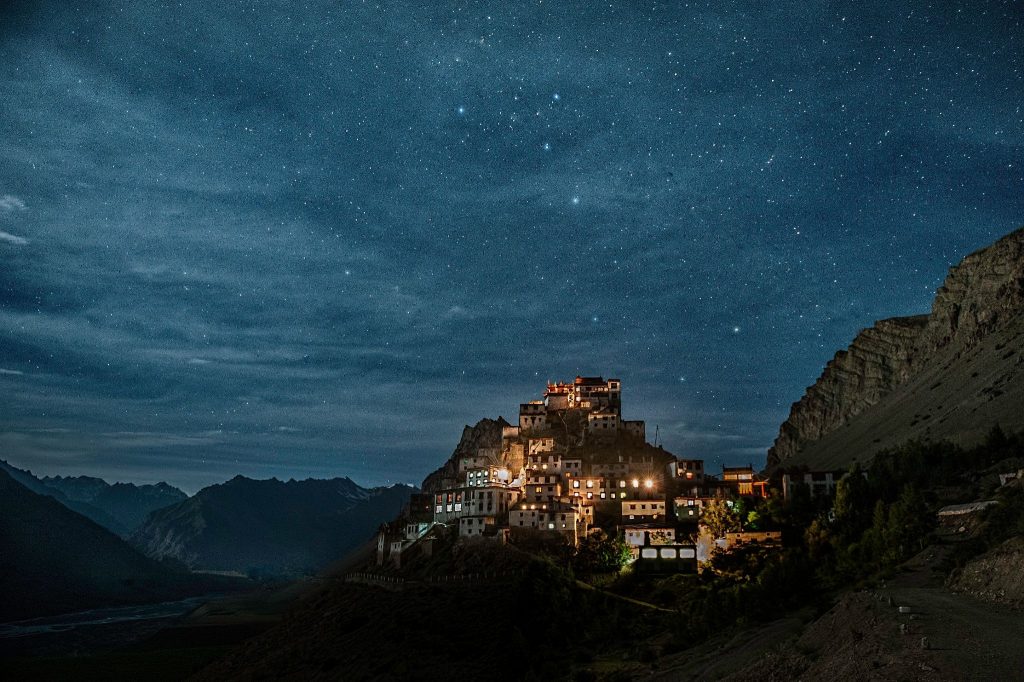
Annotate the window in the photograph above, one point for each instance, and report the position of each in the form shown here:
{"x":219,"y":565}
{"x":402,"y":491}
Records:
{"x":669,"y":553}
{"x":590,"y":484}
{"x":576,"y":484}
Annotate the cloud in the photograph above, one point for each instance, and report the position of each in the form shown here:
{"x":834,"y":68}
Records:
{"x":12,"y":238}
{"x":9,"y":202}
{"x":12,"y":372}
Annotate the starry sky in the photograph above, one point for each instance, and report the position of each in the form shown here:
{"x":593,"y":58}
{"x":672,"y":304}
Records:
{"x":317,"y":238}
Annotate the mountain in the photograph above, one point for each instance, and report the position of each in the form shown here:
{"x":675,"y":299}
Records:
{"x":83,"y":507}
{"x":121,"y":507}
{"x":269,"y":527}
{"x":54,"y":560}
{"x":953,"y":373}
{"x":127,"y":503}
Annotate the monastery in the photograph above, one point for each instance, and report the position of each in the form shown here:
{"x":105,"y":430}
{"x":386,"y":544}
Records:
{"x":570,"y":466}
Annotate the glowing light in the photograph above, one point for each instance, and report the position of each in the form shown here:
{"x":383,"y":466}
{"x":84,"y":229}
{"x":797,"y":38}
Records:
{"x":648,"y":483}
{"x":636,"y":483}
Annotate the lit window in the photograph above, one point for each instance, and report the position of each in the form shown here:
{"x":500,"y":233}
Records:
{"x":622,"y":484}
{"x":636,"y":483}
{"x":576,"y":484}
{"x":590,"y":484}
{"x":648,"y":484}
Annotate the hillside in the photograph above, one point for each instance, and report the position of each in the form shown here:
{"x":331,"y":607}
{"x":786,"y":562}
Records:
{"x":269,"y":527}
{"x":53,"y":560}
{"x":950,"y":374}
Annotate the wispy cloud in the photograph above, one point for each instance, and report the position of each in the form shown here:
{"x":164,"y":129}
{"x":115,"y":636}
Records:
{"x":13,"y":372}
{"x":9,"y":202}
{"x":12,"y":238}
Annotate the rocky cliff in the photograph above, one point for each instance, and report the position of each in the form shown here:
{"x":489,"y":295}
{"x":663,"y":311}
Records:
{"x":486,"y":433}
{"x":951,"y":373}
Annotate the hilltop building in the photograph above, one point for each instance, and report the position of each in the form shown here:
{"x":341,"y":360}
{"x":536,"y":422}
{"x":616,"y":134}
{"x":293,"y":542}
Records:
{"x":571,"y":465}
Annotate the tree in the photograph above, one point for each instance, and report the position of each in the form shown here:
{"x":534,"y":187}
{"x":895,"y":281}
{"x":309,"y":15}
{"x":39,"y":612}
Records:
{"x":853,"y":502}
{"x":600,"y":553}
{"x":720,"y":517}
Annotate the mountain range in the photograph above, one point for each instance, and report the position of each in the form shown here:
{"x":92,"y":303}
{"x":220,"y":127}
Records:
{"x":120,"y":508}
{"x":55,"y":560}
{"x":269,"y":527}
{"x":951,"y":374}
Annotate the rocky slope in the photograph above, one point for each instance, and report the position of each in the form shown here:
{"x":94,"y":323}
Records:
{"x":996,"y":576}
{"x":949,"y":374}
{"x":270,"y":527}
{"x":486,"y":433}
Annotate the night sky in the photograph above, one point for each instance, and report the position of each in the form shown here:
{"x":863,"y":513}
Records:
{"x":315,"y":239}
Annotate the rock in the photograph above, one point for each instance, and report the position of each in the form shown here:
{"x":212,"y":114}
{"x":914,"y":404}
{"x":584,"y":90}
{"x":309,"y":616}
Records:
{"x":996,"y":576}
{"x":486,"y":433}
{"x":953,"y":372}
{"x":857,"y":378}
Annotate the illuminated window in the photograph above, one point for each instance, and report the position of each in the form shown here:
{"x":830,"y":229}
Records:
{"x":669,"y":553}
{"x":622,"y":484}
{"x":590,"y":484}
{"x":576,"y":484}
{"x":636,"y":483}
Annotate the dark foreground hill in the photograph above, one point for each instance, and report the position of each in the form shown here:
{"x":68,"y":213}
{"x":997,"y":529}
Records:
{"x":269,"y":527}
{"x":950,"y":374}
{"x":121,"y":507}
{"x":535,"y":625}
{"x":54,"y":560}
